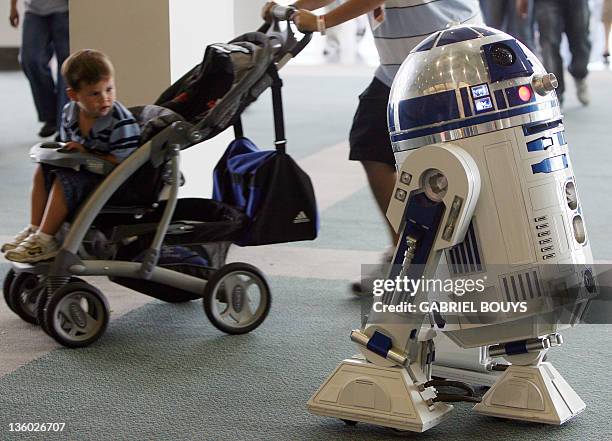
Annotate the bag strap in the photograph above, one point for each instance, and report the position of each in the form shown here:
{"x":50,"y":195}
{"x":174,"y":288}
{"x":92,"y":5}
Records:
{"x":280,"y":142}
{"x":238,"y":130}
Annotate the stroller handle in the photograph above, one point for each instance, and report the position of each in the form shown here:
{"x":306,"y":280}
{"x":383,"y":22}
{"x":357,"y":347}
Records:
{"x":282,"y":13}
{"x":288,"y":43}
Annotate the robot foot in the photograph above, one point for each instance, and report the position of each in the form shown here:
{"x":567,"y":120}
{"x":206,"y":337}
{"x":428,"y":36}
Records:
{"x":532,"y":393}
{"x":386,"y":396}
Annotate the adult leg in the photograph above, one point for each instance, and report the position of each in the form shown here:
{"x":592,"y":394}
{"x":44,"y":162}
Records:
{"x":577,"y":16}
{"x":549,"y":16}
{"x":35,"y":57}
{"x":493,"y":12}
{"x":370,"y":145}
{"x":61,"y":44}
{"x":381,"y":177}
{"x":606,"y":19}
{"x":519,"y":27}
{"x":607,"y":28}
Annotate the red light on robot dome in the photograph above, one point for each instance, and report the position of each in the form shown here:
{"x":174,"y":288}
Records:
{"x":524,"y":93}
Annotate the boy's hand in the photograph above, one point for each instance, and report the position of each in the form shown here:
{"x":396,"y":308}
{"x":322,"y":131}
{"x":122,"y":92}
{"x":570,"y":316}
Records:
{"x":75,"y":147}
{"x":305,"y":21}
{"x":14,"y":17}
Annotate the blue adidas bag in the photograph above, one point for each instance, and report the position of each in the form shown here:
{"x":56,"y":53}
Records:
{"x":273,"y":191}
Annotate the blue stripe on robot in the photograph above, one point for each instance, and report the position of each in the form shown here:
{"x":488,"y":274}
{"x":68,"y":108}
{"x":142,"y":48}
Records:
{"x":468,"y":122}
{"x":457,"y":35}
{"x":551,"y":165}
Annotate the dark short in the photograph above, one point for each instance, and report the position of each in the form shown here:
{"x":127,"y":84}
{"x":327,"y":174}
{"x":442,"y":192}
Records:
{"x":369,"y":137}
{"x":77,"y":185}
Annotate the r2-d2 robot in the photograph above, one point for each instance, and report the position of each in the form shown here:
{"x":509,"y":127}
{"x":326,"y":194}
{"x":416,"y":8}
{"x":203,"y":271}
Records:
{"x":485,"y":182}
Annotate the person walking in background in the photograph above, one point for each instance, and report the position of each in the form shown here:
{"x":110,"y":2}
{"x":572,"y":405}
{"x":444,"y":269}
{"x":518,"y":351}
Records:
{"x":606,"y":18}
{"x":45,"y":33}
{"x":554,"y":17}
{"x":503,"y":15}
{"x":342,"y":45}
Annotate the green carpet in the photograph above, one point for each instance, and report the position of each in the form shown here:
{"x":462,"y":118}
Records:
{"x":164,"y":372}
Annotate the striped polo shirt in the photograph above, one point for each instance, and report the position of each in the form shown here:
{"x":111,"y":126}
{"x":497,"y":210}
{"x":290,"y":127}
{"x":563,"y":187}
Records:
{"x":117,"y":132}
{"x":408,"y":22}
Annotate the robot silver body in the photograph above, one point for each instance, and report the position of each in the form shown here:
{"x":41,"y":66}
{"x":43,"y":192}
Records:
{"x":485,"y":184}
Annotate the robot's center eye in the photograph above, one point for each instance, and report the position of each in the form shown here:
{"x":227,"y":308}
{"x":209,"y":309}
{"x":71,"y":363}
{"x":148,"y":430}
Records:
{"x":503,"y":55}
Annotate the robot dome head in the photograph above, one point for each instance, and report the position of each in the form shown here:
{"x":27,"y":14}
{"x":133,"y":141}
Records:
{"x":465,"y":77}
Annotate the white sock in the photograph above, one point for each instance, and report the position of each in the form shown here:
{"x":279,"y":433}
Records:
{"x":33,"y":228}
{"x":44,"y":237}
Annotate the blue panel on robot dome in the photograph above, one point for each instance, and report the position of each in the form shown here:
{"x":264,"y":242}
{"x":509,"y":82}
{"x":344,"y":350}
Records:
{"x":379,"y":344}
{"x":456,"y":35}
{"x":429,"y":109}
{"x":519,"y":65}
{"x":539,"y":144}
{"x":515,"y":348}
{"x":483,"y":31}
{"x":501,"y":100}
{"x":427,"y":44}
{"x":465,"y":98}
{"x":550,"y":165}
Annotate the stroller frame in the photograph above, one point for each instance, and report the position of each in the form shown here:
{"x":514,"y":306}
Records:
{"x":226,"y":285}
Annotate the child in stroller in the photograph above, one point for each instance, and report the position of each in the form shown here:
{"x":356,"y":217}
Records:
{"x":126,"y":230}
{"x":92,"y":122}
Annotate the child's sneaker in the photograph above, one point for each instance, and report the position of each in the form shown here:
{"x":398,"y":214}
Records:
{"x":23,"y":235}
{"x":33,"y":249}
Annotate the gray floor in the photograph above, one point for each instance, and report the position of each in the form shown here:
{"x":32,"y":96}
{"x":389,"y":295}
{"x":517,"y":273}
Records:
{"x":163,"y":372}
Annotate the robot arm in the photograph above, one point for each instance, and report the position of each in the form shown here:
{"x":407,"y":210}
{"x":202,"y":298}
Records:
{"x":432,"y":207}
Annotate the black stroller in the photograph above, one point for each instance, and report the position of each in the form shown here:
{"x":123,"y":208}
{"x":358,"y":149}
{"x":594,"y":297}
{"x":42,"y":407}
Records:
{"x":135,"y":230}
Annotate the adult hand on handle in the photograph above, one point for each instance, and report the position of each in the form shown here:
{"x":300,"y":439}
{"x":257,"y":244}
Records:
{"x":305,"y":21}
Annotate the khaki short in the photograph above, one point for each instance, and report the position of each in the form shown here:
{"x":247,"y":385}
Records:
{"x":606,"y":11}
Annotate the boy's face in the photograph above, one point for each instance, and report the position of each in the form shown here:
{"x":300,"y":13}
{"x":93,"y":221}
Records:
{"x":95,"y":100}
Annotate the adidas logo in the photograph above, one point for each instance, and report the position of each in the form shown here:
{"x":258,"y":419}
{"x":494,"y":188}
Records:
{"x":301,"y":218}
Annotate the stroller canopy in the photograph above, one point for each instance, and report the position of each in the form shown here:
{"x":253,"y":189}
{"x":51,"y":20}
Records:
{"x":214,"y":93}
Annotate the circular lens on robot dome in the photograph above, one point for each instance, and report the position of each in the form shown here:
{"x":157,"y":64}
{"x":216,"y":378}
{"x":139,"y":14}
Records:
{"x":503,"y":55}
{"x":579,"y":231}
{"x":570,"y":195}
{"x":435,"y":184}
{"x":524,"y":93}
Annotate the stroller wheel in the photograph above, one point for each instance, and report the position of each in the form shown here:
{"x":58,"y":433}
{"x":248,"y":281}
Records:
{"x":6,"y":287}
{"x":76,"y":315}
{"x":237,"y":298}
{"x":41,"y":302}
{"x":23,"y":296}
